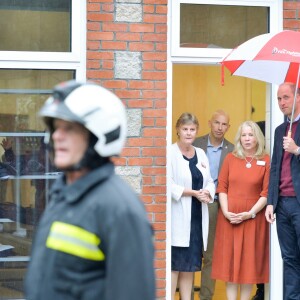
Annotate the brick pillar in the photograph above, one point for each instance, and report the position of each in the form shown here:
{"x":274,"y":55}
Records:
{"x":127,"y":53}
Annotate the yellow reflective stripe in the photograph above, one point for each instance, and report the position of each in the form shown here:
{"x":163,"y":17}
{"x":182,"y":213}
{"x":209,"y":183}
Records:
{"x":74,"y":240}
{"x":75,"y":231}
{"x":74,"y":249}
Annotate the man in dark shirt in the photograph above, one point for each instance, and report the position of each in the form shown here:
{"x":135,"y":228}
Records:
{"x":284,"y":189}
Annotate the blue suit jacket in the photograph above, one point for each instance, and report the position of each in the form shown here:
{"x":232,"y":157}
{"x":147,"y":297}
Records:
{"x":277,"y":156}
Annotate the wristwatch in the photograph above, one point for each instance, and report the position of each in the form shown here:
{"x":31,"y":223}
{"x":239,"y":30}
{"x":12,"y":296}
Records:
{"x":253,"y":214}
{"x":298,"y":151}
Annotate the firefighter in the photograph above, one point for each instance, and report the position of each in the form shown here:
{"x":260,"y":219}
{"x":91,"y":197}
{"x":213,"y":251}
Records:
{"x":94,"y":240}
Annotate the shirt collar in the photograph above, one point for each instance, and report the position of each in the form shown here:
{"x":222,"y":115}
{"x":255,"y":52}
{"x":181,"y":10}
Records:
{"x":295,"y":120}
{"x":209,"y":144}
{"x":74,"y":191}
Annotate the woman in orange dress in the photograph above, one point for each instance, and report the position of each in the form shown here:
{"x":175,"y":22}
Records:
{"x":241,"y":249}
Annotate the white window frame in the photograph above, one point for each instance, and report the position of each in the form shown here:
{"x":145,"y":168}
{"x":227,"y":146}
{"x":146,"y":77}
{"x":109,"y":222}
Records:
{"x":38,"y":60}
{"x":74,"y":60}
{"x":212,"y":56}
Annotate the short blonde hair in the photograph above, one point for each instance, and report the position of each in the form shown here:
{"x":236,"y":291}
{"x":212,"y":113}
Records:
{"x":238,"y":148}
{"x":187,"y":118}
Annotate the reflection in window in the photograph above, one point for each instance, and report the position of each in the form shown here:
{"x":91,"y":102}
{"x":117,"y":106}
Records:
{"x":22,"y":94}
{"x":220,"y":26}
{"x":26,"y":168}
{"x":35,"y":25}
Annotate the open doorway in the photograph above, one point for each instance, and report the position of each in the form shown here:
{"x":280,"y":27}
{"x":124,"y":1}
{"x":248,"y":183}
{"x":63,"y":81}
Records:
{"x":198,"y":89}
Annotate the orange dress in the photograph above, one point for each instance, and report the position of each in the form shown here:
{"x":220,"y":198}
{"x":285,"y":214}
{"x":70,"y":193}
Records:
{"x":241,"y":252}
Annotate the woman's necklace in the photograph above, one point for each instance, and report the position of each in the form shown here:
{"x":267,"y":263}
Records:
{"x":248,"y":163}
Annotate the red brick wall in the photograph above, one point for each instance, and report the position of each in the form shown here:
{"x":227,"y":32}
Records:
{"x":291,"y":15}
{"x":104,"y":36}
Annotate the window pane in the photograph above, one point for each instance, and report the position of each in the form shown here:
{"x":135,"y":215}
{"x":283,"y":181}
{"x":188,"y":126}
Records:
{"x":26,"y":168}
{"x":35,"y":25}
{"x":22,"y":92}
{"x":220,"y":26}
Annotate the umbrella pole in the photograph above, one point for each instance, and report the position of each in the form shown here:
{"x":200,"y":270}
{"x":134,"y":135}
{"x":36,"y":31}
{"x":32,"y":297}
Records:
{"x":293,"y":110}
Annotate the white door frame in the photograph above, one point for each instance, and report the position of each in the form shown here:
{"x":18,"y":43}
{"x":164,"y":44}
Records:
{"x":274,"y":116}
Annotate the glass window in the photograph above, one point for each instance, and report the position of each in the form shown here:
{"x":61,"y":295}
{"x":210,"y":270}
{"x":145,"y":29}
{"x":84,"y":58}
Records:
{"x":26,"y":168}
{"x":22,"y":92}
{"x":35,"y":25}
{"x":220,"y":26}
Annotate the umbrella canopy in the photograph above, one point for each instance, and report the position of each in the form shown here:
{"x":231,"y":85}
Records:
{"x":274,"y":58}
{"x":271,"y":57}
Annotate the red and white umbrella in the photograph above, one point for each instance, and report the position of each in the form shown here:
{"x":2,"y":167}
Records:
{"x":271,"y":57}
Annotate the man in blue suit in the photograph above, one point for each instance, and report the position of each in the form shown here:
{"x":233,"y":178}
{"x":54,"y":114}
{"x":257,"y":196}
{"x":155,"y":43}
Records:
{"x":284,"y":189}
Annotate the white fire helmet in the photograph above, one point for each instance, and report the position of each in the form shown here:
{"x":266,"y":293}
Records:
{"x":97,"y":109}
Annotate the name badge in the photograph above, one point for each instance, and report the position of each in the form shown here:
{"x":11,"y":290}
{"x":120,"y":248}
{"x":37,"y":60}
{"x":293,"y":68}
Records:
{"x":261,"y":163}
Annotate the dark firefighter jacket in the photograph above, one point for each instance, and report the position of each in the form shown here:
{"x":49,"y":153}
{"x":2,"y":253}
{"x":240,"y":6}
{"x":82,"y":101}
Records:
{"x":94,"y":242}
